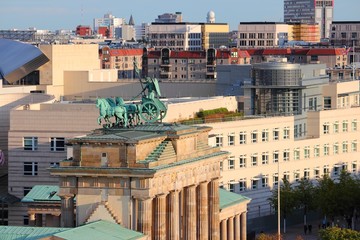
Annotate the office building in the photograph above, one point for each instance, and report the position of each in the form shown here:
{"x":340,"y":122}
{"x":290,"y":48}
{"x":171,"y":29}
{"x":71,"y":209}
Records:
{"x":320,"y":12}
{"x":190,"y":66}
{"x":262,"y":34}
{"x":188,"y":36}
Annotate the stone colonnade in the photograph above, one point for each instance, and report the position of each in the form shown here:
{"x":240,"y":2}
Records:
{"x":234,"y":228}
{"x":44,"y":220}
{"x":190,"y":213}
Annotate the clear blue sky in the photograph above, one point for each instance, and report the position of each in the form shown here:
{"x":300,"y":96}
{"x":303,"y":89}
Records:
{"x":67,"y":14}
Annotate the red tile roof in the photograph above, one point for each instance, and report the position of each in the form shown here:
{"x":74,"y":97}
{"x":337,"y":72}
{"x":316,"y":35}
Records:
{"x":327,"y":51}
{"x":126,"y":52}
{"x":297,"y":51}
{"x":188,"y":54}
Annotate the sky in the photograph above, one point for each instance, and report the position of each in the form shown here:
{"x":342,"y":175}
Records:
{"x":67,"y":14}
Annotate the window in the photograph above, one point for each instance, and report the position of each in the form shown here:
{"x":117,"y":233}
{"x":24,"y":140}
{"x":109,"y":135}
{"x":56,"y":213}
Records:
{"x":265,"y":181}
{"x":231,"y":162}
{"x":231,"y":139}
{"x":265,"y":158}
{"x":336,"y":170}
{"x":335,"y":148}
{"x":231,"y":186}
{"x":345,"y":126}
{"x":317,"y":151}
{"x":354,"y":125}
{"x":275,"y":156}
{"x":219,"y":140}
{"x":25,"y":220}
{"x":242,"y":138}
{"x":254,"y":136}
{"x":30,"y":168}
{"x":354,"y":167}
{"x":265,"y":135}
{"x":296,"y":154}
{"x":286,"y":133}
{"x":26,"y":190}
{"x":275,"y":179}
{"x":286,"y":176}
{"x":326,"y":149}
{"x":336,"y":127}
{"x":345,"y":147}
{"x":286,"y":155}
{"x":276,"y":134}
{"x":242,"y":161}
{"x":242,"y":184}
{"x":296,"y":131}
{"x":327,"y":103}
{"x":254,"y":184}
{"x":307,"y":152}
{"x":354,"y":146}
{"x":316,"y":173}
{"x":57,"y":144}
{"x":221,"y":165}
{"x":326,"y":128}
{"x":326,"y":170}
{"x":307,"y":173}
{"x":344,"y":166}
{"x":30,"y":143}
{"x":254,"y":160}
{"x":297,"y":175}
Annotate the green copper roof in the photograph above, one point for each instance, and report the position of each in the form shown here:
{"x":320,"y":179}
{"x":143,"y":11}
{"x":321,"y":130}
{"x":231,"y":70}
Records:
{"x":27,"y":233}
{"x":228,"y":199}
{"x":100,"y":230}
{"x":42,"y":193}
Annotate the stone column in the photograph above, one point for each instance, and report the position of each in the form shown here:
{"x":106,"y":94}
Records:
{"x":224,"y":229}
{"x":237,"y":227}
{"x":32,"y":219}
{"x":243,"y":226}
{"x":144,"y":221}
{"x":190,"y":213}
{"x":160,"y":217}
{"x":203,"y":220}
{"x":214,"y":209}
{"x":174,"y":215}
{"x":67,"y":211}
{"x":38,"y":219}
{"x":230,"y":235}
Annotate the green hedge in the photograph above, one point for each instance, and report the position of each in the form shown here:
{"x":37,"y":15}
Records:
{"x":204,"y":113}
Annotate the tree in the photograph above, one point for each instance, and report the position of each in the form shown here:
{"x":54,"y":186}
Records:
{"x":326,"y":197}
{"x":303,"y":195}
{"x":287,"y":200}
{"x":347,"y":192}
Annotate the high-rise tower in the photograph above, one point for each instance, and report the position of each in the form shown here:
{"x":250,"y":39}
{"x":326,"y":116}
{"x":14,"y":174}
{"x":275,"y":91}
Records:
{"x":310,"y":11}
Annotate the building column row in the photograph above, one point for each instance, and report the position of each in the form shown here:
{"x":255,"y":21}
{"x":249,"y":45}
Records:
{"x":201,"y":214}
{"x":233,"y":228}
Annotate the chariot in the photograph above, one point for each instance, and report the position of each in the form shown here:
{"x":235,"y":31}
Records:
{"x":148,"y":110}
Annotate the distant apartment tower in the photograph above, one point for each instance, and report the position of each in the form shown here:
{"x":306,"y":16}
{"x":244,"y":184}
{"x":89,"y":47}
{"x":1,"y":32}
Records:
{"x":169,"y":18}
{"x":310,"y":11}
{"x":109,"y":21}
{"x":83,"y":30}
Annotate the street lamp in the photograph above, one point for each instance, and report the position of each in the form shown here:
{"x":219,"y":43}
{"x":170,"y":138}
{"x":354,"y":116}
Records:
{"x":278,"y":197}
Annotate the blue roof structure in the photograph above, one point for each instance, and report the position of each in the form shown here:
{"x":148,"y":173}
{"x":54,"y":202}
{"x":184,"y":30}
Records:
{"x":18,"y":59}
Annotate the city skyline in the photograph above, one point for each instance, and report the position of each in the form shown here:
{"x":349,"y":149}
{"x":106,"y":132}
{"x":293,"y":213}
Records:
{"x":41,"y":14}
